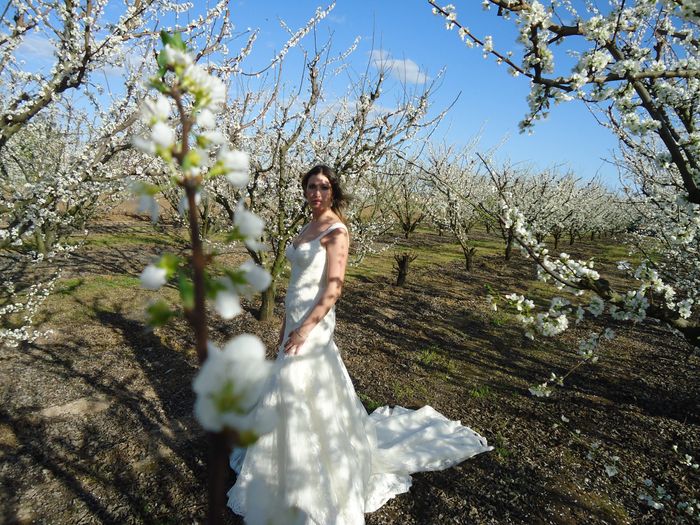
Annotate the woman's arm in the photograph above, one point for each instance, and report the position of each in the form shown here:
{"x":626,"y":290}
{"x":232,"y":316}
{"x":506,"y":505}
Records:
{"x":336,"y":244}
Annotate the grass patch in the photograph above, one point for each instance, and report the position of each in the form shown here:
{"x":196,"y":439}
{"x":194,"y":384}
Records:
{"x":408,"y":392}
{"x":428,"y":255}
{"x":434,"y":357}
{"x":428,"y":356}
{"x":499,"y":319}
{"x":500,"y":447}
{"x":94,"y":285}
{"x":81,"y":299}
{"x":372,"y":266}
{"x":370,"y":404}
{"x":480,"y":392}
{"x":129,"y":239}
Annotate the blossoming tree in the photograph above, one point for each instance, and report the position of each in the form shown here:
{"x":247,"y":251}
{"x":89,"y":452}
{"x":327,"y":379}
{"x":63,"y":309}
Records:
{"x":459,"y":191}
{"x":638,"y":62}
{"x":63,"y":133}
{"x":351,"y":134}
{"x":180,"y":123}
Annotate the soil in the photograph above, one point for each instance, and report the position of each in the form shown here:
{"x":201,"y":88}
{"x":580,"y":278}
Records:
{"x":96,"y":420}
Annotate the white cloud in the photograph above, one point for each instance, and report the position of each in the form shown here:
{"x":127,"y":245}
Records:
{"x":35,"y":46}
{"x":405,"y":70}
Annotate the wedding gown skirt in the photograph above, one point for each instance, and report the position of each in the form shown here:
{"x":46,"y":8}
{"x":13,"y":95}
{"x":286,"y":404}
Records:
{"x":326,"y":456}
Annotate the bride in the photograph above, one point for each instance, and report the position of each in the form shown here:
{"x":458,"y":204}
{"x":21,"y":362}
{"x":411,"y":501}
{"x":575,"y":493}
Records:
{"x":327,"y":458}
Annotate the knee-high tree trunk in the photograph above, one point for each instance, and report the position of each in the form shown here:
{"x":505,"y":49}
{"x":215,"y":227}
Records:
{"x":267,"y":306}
{"x":509,"y":245}
{"x":469,"y":257}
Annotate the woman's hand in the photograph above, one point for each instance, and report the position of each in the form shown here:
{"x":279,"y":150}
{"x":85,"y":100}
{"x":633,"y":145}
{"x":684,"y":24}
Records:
{"x":294,"y":342}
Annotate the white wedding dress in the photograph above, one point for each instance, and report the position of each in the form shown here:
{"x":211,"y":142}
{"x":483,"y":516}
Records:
{"x":326,"y":455}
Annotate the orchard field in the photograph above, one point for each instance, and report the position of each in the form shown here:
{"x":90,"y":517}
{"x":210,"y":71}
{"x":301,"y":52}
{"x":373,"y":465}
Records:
{"x":97,"y":423}
{"x":150,"y":183}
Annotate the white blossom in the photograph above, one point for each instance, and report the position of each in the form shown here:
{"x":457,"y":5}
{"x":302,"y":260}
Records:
{"x":541,"y":390}
{"x":153,"y":277}
{"x":163,"y":135}
{"x":206,"y":119}
{"x":236,"y":165}
{"x":248,"y":224}
{"x":153,"y":111}
{"x":229,"y":384}
{"x":175,"y":57}
{"x":227,"y":303}
{"x":256,"y":276}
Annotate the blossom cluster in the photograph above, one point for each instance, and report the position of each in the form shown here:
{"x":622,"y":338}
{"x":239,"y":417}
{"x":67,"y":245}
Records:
{"x":231,"y":379}
{"x":229,"y":385}
{"x":207,"y":96}
{"x":457,"y":190}
{"x":578,"y":277}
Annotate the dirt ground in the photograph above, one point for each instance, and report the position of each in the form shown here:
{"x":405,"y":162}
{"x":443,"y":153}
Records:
{"x":96,"y":420}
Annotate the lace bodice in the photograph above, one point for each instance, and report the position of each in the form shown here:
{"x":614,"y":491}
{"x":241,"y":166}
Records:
{"x":306,"y":284}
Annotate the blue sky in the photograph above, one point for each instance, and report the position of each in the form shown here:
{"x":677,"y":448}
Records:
{"x":491,"y":101}
{"x":407,"y":36}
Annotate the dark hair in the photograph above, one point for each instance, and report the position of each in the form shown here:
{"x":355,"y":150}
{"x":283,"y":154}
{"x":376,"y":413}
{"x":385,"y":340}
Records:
{"x":340,"y":199}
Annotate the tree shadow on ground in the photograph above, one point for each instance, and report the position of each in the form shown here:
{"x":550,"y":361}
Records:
{"x":116,"y":436}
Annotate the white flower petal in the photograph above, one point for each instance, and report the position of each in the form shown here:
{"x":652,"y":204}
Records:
{"x":145,"y":145}
{"x":206,"y":119}
{"x":257,"y":276}
{"x":237,"y":179}
{"x":152,"y":277}
{"x":237,"y":165}
{"x":227,"y":304}
{"x":249,"y":225}
{"x":163,"y":135}
{"x":230,"y":383}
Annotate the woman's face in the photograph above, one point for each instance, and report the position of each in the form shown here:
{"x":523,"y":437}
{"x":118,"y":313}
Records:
{"x":319,"y":193}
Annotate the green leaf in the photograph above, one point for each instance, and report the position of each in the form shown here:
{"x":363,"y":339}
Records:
{"x":192,"y":159}
{"x":159,"y":313}
{"x":162,"y":63}
{"x":235,"y":235}
{"x":186,"y":291}
{"x":213,"y":287}
{"x":157,"y":83}
{"x":177,"y":42}
{"x":237,"y":277}
{"x":170,"y":263}
{"x":165,"y":37}
{"x":217,"y":169}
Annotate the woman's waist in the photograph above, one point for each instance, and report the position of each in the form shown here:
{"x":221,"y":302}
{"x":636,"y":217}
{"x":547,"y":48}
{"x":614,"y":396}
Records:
{"x":301,"y":297}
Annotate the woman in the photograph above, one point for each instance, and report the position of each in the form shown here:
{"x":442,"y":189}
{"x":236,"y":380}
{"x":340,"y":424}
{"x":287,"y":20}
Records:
{"x":326,"y":456}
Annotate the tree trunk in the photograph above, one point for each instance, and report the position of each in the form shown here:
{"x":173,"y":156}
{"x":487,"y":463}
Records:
{"x":556,"y":241}
{"x":509,"y":245}
{"x":402,"y":264}
{"x":469,"y":258}
{"x":40,"y":244}
{"x":267,"y":306}
{"x":403,"y":270}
